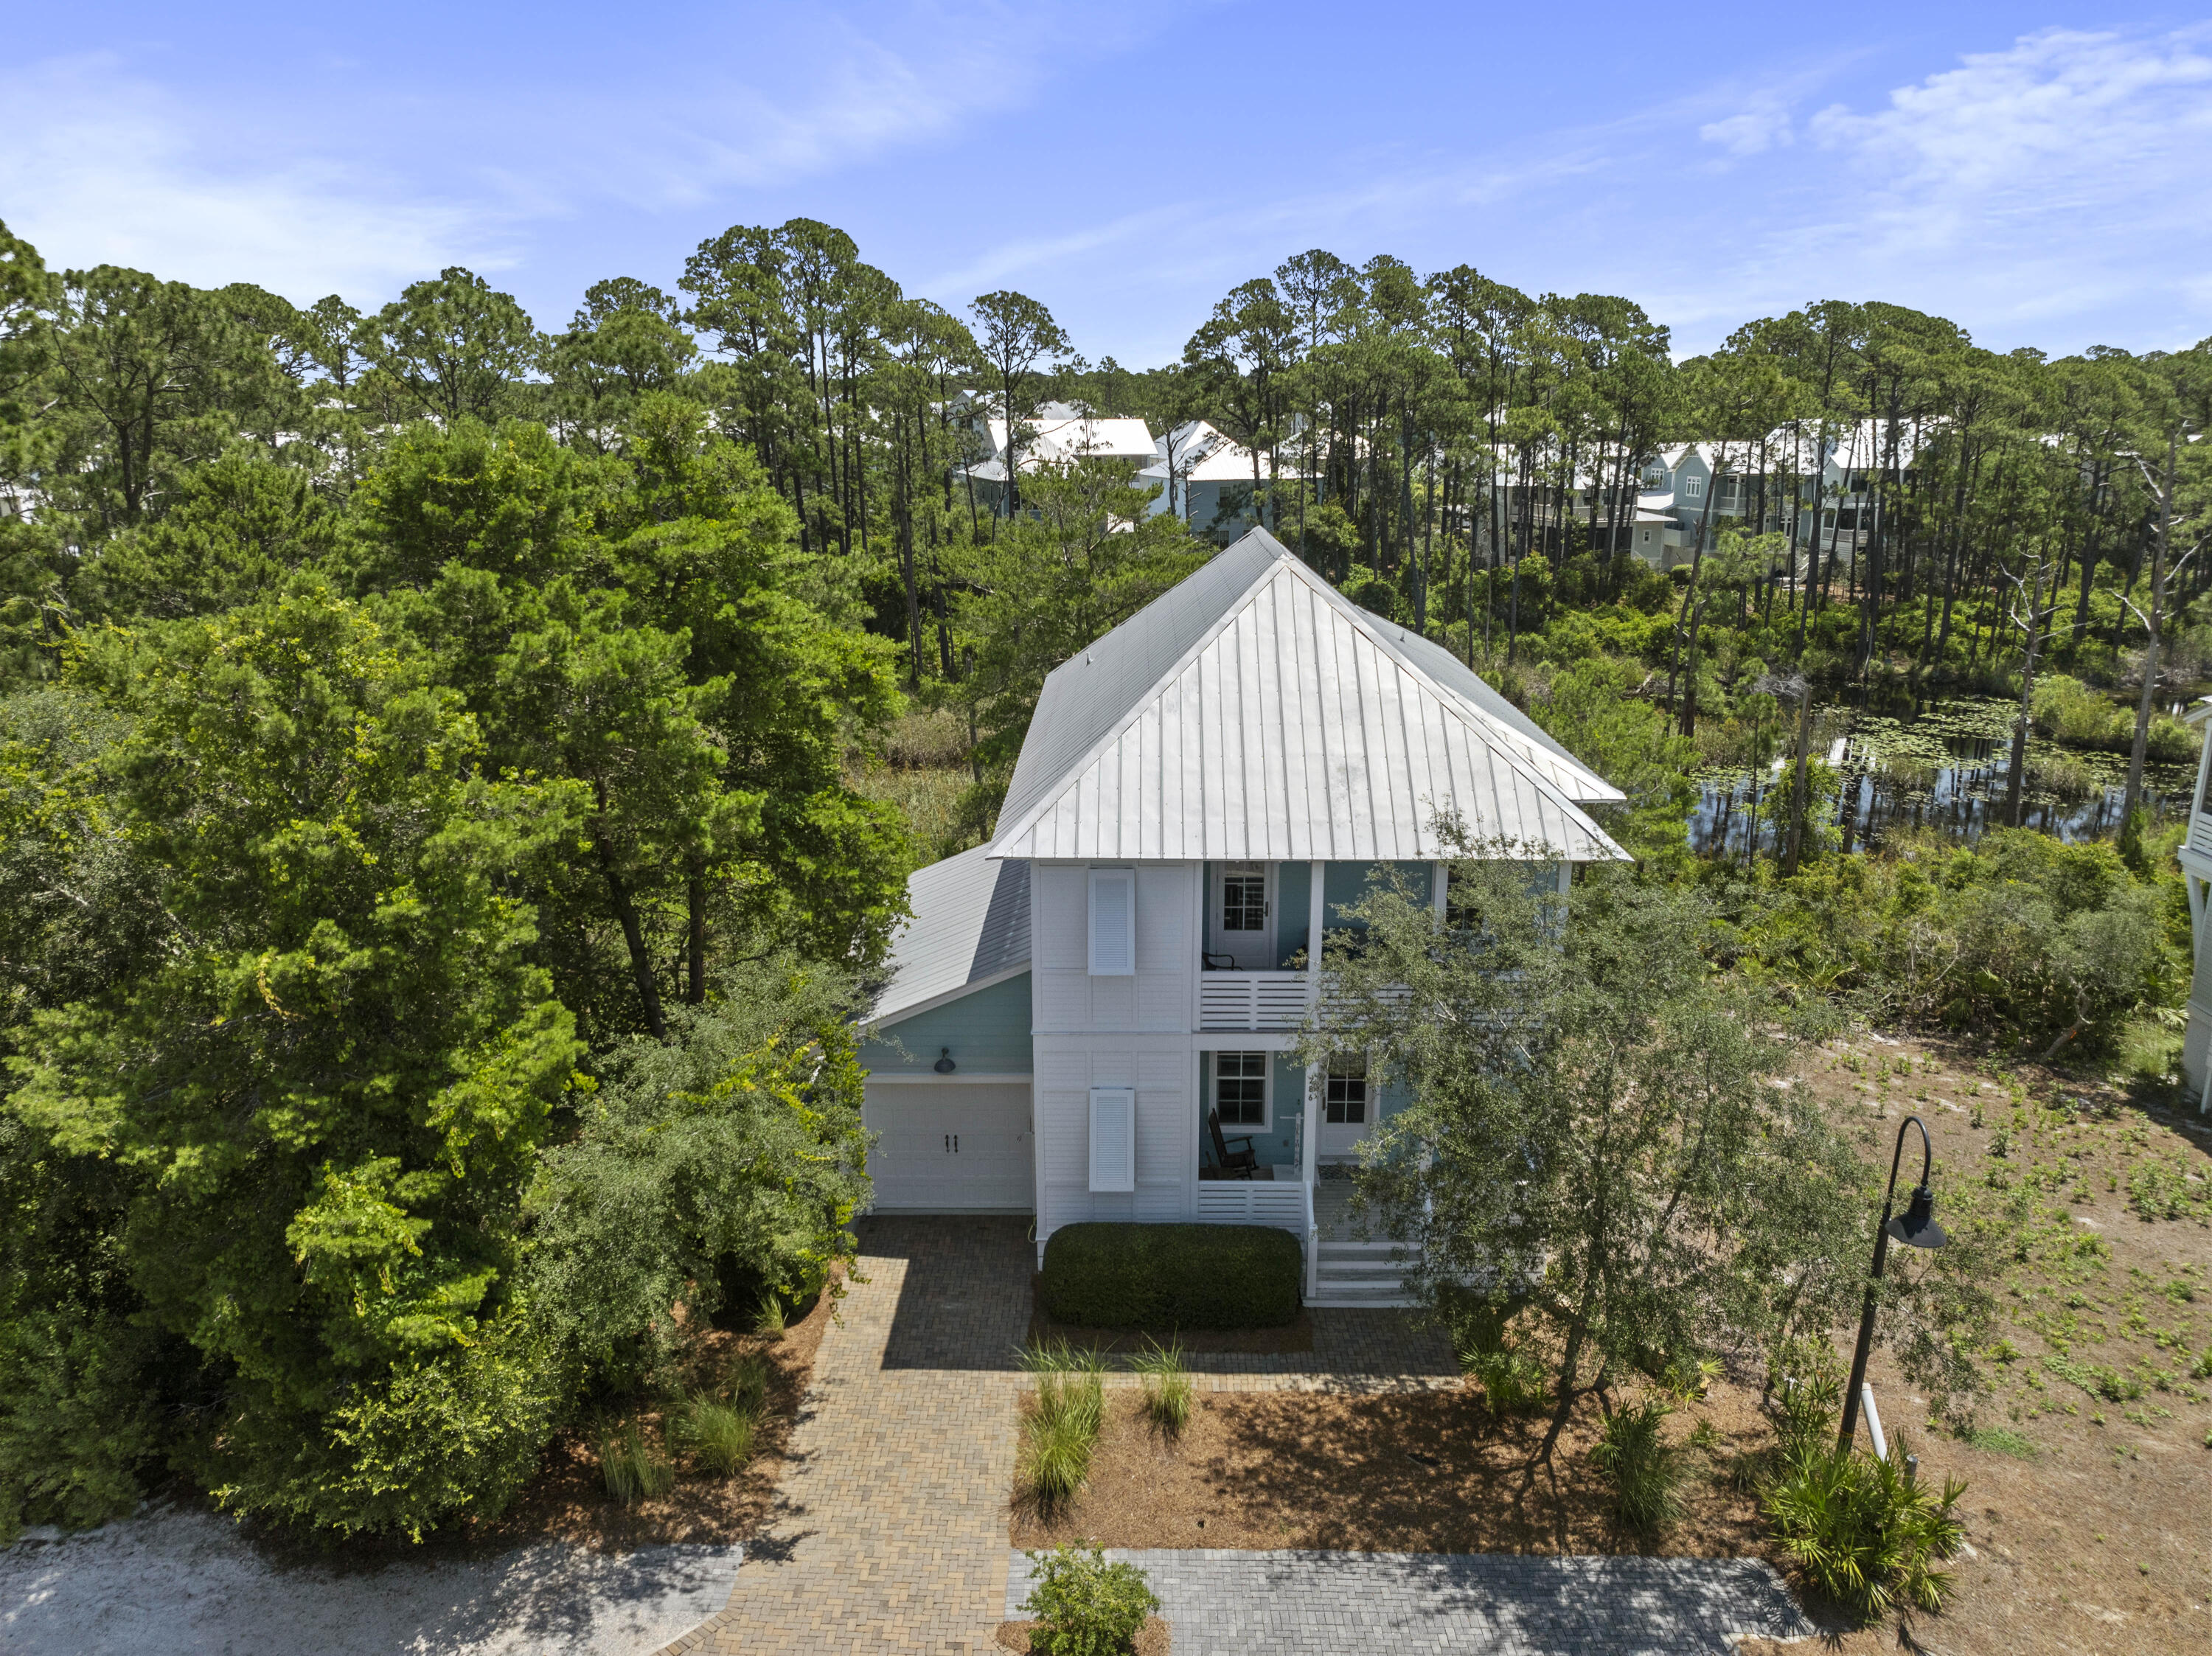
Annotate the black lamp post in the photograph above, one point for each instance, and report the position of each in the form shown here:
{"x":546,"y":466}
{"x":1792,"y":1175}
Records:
{"x":1917,"y":1228}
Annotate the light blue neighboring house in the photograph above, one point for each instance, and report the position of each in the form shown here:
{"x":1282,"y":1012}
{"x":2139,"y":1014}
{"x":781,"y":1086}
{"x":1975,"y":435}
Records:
{"x":1071,"y":1007}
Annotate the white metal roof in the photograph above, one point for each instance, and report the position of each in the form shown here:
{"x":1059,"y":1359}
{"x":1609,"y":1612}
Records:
{"x":970,"y":928}
{"x":1255,"y":711}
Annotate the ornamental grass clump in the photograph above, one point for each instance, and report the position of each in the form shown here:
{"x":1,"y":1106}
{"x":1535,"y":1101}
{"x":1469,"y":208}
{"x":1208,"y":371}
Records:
{"x":1642,"y":1467}
{"x":1085,"y":1606}
{"x":718,"y":1435}
{"x":1863,"y":1533}
{"x":1167,"y":1386}
{"x":634,"y":1466}
{"x":1060,"y":1430}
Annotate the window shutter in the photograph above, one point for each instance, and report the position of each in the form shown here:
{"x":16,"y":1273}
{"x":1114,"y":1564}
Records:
{"x":1113,"y":922}
{"x":1113,"y":1139}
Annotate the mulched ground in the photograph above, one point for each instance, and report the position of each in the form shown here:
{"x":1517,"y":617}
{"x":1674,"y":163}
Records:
{"x":1415,"y":1472}
{"x":568,"y":1499}
{"x":1292,"y":1337}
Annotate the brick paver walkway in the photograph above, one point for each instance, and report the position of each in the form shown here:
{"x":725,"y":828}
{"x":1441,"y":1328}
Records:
{"x":890,"y":1532}
{"x":1401,"y":1603}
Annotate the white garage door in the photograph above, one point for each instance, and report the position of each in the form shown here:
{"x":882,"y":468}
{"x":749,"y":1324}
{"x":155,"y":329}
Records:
{"x":949,"y":1148}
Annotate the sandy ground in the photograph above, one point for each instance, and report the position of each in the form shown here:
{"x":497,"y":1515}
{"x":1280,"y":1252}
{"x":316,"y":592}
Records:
{"x":180,"y":1582}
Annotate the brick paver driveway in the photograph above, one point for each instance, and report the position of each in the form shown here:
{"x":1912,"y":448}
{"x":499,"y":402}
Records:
{"x":890,"y":1532}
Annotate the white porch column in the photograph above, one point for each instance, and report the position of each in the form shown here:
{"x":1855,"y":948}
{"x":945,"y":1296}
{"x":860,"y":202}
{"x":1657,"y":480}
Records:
{"x":1316,"y":1080}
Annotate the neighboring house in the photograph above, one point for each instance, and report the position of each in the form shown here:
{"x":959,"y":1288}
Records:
{"x":1056,"y":434}
{"x":1205,"y":477}
{"x":1200,"y":792}
{"x":2196,"y":858}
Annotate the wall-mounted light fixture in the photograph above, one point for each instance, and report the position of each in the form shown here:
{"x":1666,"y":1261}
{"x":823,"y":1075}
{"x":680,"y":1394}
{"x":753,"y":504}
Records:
{"x":944,"y":1065}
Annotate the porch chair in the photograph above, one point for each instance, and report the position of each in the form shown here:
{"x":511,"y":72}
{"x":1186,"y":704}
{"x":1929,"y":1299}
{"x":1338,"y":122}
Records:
{"x":1228,"y":1163}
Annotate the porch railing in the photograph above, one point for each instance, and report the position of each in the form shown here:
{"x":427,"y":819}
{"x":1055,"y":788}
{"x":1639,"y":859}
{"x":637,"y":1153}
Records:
{"x":1252,"y":1000}
{"x":1241,"y":1202}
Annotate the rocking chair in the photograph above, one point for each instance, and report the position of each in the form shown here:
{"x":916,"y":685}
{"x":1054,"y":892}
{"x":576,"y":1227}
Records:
{"x":1228,"y":1163}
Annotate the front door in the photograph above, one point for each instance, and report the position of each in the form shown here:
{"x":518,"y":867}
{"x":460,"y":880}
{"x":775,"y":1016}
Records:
{"x":1347,"y":1109}
{"x":1243,"y":916}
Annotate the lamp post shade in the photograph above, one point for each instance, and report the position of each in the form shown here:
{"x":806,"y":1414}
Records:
{"x":1915,"y":1227}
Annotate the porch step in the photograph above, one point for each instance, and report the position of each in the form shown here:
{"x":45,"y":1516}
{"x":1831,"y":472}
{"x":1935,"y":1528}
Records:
{"x":1359,"y":1276}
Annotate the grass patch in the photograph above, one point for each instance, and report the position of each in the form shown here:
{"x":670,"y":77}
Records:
{"x":1060,"y":1432}
{"x":1167,"y":1386}
{"x":633,"y":1467}
{"x":718,"y":1435}
{"x":2003,"y":1440}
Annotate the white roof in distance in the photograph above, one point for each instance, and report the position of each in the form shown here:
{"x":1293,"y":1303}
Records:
{"x":970,"y":928}
{"x":1254,"y":712}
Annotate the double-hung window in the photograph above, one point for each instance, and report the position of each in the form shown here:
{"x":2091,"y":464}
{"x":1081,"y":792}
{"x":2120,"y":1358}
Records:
{"x":1239,"y":1089}
{"x":1345,"y":1103}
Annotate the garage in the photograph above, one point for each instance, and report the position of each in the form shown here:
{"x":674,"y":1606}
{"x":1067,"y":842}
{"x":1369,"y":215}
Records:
{"x":950,"y":1148}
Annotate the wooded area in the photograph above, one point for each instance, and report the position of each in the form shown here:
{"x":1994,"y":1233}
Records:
{"x":439,"y":801}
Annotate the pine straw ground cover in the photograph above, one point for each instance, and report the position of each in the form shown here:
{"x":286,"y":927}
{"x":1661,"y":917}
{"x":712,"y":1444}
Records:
{"x":569,"y":1500}
{"x":2088,"y":1505}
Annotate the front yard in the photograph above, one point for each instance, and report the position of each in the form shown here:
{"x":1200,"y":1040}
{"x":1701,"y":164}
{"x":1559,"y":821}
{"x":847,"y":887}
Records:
{"x":2088,"y":1463}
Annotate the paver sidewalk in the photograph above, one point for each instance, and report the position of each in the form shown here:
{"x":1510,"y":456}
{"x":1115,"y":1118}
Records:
{"x":1411,"y":1604}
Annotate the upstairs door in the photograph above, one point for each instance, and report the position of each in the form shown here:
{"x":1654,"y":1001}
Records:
{"x":1242,"y":925}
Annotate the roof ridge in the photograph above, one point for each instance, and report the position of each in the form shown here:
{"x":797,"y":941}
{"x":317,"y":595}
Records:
{"x":1473,"y":717}
{"x":1135,"y":710}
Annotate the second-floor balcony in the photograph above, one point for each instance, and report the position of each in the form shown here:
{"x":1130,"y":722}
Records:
{"x":1253,"y":1000}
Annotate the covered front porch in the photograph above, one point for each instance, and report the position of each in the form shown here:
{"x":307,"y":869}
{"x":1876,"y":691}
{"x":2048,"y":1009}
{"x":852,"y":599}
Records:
{"x":1277,"y":1146}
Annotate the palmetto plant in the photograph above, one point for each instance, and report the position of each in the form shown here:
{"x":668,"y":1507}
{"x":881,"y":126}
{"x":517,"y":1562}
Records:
{"x":1862,"y":1532}
{"x":1633,"y":1453}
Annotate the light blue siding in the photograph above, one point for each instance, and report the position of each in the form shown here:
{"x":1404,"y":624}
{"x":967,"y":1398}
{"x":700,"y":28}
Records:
{"x":988,"y":1033}
{"x":1347,"y":883}
{"x":1278,"y":1147}
{"x":1293,"y":897}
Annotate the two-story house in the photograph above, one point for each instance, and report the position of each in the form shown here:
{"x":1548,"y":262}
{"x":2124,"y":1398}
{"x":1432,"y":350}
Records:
{"x":1074,"y":1007}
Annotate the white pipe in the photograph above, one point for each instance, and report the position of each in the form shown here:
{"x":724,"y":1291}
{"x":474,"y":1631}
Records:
{"x":1873,"y":1419}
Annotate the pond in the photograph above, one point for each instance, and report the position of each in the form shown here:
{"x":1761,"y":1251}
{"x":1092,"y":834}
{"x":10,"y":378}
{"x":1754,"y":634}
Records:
{"x":1940,"y":766}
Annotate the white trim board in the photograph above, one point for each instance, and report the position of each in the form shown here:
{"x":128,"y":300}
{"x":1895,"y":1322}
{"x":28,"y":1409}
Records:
{"x":958,"y":1078}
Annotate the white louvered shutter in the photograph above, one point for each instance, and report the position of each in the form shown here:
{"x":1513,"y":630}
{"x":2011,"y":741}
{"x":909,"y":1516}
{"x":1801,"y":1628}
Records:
{"x":1113,"y":1139}
{"x":1113,"y":922}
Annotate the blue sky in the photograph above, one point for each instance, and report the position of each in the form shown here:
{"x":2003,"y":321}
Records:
{"x":2038,"y":174}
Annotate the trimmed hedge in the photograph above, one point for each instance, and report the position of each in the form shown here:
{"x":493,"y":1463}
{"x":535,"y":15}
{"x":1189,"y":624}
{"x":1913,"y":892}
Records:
{"x":1128,"y":1276}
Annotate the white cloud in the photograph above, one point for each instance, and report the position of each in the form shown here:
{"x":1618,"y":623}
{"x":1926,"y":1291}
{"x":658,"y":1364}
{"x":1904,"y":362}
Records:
{"x":2062,"y":134}
{"x":1756,"y":130}
{"x":100,"y":167}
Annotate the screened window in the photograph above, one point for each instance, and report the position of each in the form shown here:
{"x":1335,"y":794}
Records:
{"x":1239,"y":1089}
{"x":1346,"y":1099}
{"x":1244,"y":902}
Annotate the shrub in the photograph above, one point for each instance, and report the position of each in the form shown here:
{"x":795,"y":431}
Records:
{"x":1167,"y":1386}
{"x":1642,"y":1467}
{"x":716,"y":1435}
{"x":1083,"y":1605}
{"x":1061,"y":1429}
{"x":635,"y":1469}
{"x":1861,"y":1534}
{"x":1127,"y":1276}
{"x":1514,"y":1382}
